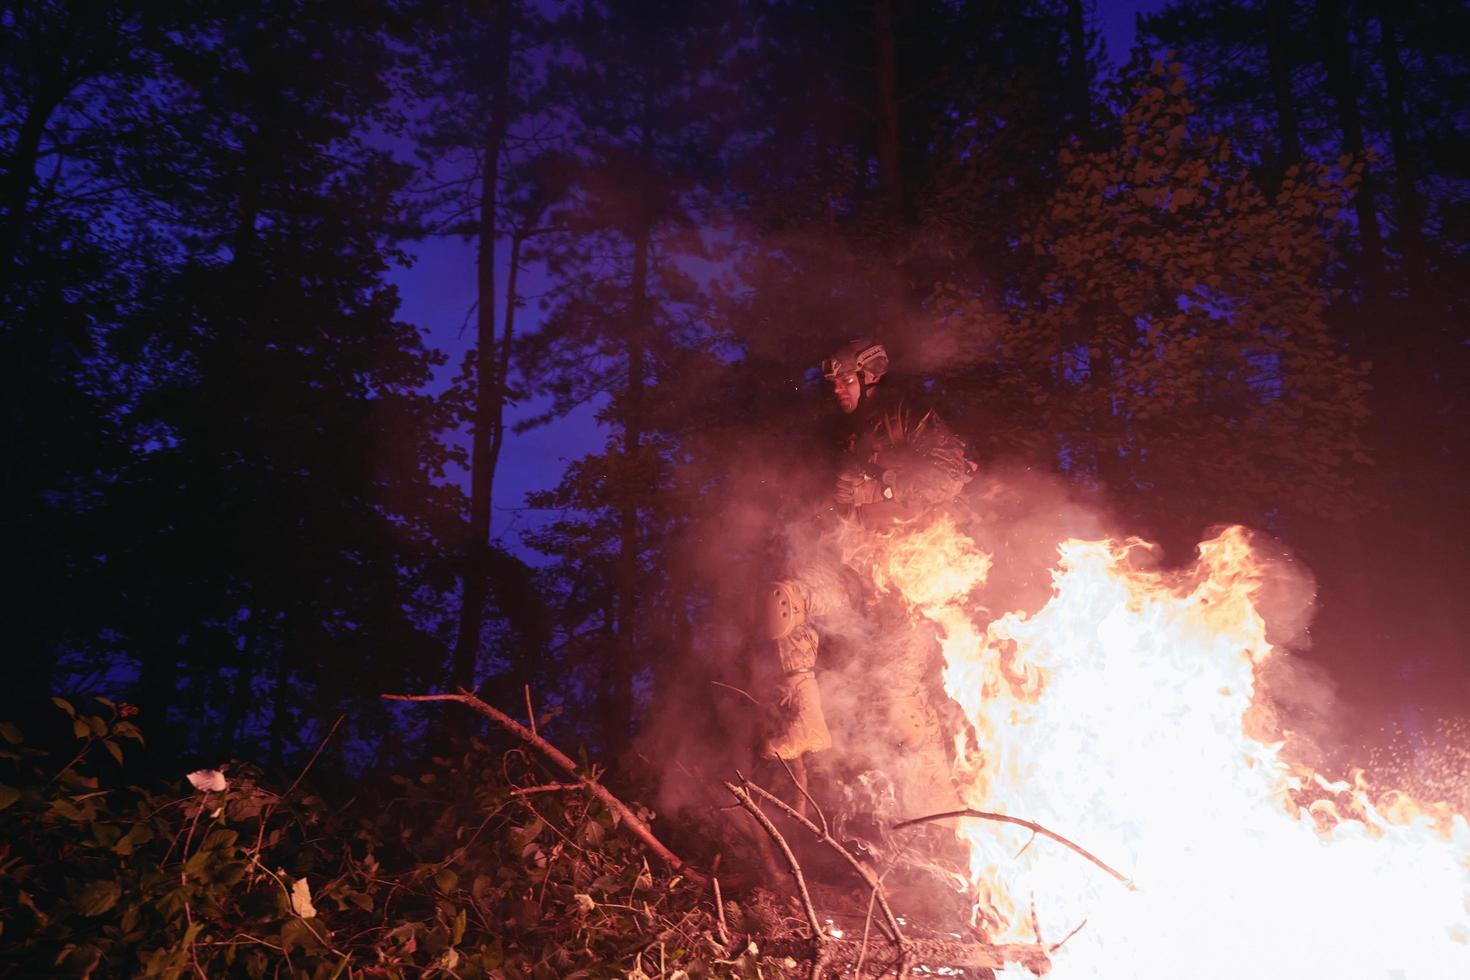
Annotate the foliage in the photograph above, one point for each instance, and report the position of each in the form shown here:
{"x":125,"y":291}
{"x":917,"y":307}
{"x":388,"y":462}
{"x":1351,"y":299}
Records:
{"x":481,"y":866}
{"x":223,"y":442}
{"x":1172,"y":342}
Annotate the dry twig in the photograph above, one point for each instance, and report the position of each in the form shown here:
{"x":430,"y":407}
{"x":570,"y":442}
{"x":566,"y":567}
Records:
{"x":562,"y":761}
{"x":720,"y":926}
{"x":1035,"y":828}
{"x":842,"y":954}
{"x":744,"y":694}
{"x":546,"y":788}
{"x":806,"y":899}
{"x":801,"y":786}
{"x":895,"y":934}
{"x":530,"y":712}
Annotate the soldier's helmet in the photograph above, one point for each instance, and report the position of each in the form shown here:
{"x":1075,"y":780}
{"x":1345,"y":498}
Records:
{"x":854,"y":356}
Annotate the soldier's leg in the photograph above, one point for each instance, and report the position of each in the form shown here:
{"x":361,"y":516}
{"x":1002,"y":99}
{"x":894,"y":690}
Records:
{"x":782,"y":620}
{"x":923,"y":766}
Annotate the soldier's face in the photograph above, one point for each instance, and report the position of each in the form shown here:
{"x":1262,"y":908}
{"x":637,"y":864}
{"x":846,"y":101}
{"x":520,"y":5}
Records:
{"x":849,"y":391}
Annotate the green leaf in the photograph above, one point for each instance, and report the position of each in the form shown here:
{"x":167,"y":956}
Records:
{"x":80,"y":728}
{"x":8,"y":795}
{"x":197,"y":863}
{"x":296,"y":934}
{"x":64,"y":705}
{"x":105,"y":833}
{"x":127,"y":730}
{"x":10,"y":733}
{"x":446,"y":879}
{"x":98,"y":897}
{"x":229,"y":873}
{"x":68,"y":810}
{"x":114,"y":749}
{"x":460,"y":921}
{"x":139,"y":833}
{"x":219,"y":840}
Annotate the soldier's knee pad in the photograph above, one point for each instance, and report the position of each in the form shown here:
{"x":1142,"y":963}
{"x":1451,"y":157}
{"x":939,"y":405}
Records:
{"x":782,"y":618}
{"x":781,"y":608}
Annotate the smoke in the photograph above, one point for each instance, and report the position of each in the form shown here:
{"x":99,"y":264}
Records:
{"x":877,"y":660}
{"x":763,"y":479}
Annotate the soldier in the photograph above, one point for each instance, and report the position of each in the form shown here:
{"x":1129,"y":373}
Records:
{"x":901,"y":462}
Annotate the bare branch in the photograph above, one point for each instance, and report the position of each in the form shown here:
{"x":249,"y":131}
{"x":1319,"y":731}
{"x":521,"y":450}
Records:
{"x":801,"y":784}
{"x":310,"y":762}
{"x":890,"y":920}
{"x":732,"y":687}
{"x":1056,"y":946}
{"x":1029,"y":825}
{"x":546,"y":788}
{"x":818,"y":936}
{"x":530,"y":712}
{"x":840,"y":954}
{"x":566,"y":764}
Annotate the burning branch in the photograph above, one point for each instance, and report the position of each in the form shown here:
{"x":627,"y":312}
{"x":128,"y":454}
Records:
{"x":1035,"y":828}
{"x":565,"y":763}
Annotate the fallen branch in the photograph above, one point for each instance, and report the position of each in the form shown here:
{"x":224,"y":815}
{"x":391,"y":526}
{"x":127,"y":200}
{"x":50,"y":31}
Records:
{"x":895,"y":934}
{"x":818,"y":936}
{"x":565,"y":763}
{"x":845,"y":953}
{"x":1035,"y":828}
{"x":547,"y":788}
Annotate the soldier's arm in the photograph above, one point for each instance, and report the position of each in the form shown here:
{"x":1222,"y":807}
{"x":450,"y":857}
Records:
{"x":931,"y":466}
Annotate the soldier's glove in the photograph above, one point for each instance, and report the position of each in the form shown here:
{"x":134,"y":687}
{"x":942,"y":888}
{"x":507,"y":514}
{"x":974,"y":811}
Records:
{"x":857,"y":489}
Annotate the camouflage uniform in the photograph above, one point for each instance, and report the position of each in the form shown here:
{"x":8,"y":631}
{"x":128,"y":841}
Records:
{"x":901,"y":464}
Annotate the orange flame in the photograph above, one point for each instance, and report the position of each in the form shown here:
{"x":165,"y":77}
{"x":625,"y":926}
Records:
{"x":1114,"y":716}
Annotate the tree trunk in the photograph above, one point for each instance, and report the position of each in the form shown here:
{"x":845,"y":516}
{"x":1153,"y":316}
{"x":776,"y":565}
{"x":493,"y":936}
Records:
{"x":1288,"y":148}
{"x":489,"y":392}
{"x":890,"y":177}
{"x":522,"y":667}
{"x":158,"y":678}
{"x":1079,"y":93}
{"x":1410,"y":212}
{"x":280,"y":705}
{"x":618,"y":718}
{"x":1342,"y":81}
{"x":20,"y":173}
{"x":242,"y":695}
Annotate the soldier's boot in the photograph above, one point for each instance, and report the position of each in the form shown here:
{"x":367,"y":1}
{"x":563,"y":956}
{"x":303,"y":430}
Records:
{"x":802,"y":726}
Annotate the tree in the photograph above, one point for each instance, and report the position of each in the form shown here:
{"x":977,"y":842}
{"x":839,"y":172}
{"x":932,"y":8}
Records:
{"x":622,"y":316}
{"x":1173,"y":345}
{"x":282,"y":510}
{"x":480,"y":78}
{"x":1382,"y":85}
{"x":73,"y":96}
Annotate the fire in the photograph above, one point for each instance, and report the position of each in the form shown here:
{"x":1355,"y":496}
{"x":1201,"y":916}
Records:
{"x":1115,"y":715}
